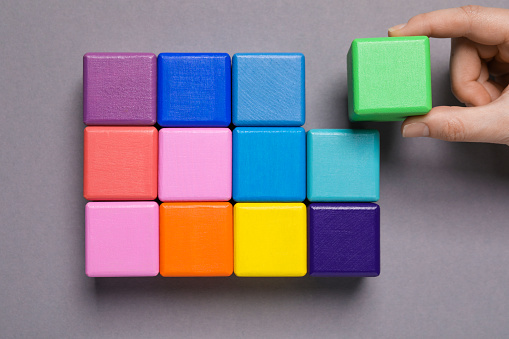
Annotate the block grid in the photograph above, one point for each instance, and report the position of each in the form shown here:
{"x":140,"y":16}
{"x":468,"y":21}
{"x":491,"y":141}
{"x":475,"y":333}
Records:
{"x":194,"y":162}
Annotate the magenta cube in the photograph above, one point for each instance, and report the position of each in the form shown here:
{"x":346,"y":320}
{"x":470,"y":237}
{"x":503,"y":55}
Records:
{"x":119,"y":89}
{"x":195,"y":164}
{"x":122,"y":239}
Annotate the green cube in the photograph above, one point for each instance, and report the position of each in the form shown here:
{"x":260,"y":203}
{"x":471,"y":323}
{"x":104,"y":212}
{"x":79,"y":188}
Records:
{"x":388,"y":78}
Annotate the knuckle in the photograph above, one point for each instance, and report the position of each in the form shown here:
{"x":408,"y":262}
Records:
{"x":471,"y":9}
{"x":422,"y":22}
{"x":452,"y":130}
{"x":419,"y":19}
{"x":471,"y":12}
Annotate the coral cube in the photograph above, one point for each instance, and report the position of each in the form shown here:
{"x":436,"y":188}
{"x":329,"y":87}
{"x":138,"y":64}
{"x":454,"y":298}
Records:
{"x":344,"y":239}
{"x":268,"y":89}
{"x":343,"y":165}
{"x":388,"y":78}
{"x":195,"y":164}
{"x":119,"y":88}
{"x":196,"y":239}
{"x":122,"y":239}
{"x":270,"y":240}
{"x":120,"y":163}
{"x":194,"y":90}
{"x":269,"y":164}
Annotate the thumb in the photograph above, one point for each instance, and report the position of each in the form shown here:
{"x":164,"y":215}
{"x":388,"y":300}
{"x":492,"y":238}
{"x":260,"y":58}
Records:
{"x":489,"y":123}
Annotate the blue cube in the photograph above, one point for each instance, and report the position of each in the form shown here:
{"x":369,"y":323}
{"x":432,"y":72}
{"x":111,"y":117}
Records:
{"x":343,"y":165}
{"x":268,"y":89}
{"x":344,"y":239}
{"x":193,"y":90}
{"x":269,"y":164}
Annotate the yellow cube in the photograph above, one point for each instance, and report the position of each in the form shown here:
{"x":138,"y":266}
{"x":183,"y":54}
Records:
{"x":270,"y":240}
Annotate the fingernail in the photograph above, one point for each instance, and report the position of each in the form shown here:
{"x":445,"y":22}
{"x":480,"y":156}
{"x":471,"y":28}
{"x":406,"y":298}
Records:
{"x":417,"y":129}
{"x":397,"y":27}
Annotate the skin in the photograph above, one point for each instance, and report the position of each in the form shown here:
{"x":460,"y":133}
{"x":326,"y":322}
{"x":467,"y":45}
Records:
{"x":479,"y":74}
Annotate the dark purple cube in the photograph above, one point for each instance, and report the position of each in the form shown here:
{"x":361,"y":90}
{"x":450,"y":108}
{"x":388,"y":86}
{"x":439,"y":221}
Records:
{"x":344,"y":239}
{"x":119,"y":89}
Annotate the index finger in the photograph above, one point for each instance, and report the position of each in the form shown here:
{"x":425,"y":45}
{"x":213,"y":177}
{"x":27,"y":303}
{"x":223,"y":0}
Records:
{"x":484,"y":25}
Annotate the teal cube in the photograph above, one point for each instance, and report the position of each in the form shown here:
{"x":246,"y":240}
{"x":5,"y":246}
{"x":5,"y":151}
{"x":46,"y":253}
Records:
{"x":343,"y":165}
{"x":389,"y":79}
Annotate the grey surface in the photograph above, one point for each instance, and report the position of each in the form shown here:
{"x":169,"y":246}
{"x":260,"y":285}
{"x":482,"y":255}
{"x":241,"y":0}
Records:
{"x":445,"y":229}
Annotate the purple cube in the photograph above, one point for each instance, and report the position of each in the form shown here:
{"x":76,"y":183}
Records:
{"x":344,"y":239}
{"x":119,"y":89}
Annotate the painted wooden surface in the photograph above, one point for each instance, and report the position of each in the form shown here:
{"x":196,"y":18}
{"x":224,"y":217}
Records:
{"x":388,"y":78}
{"x":344,"y":239}
{"x":119,"y":88}
{"x":196,"y":239}
{"x":269,"y":164}
{"x":120,"y":163}
{"x":270,"y":240}
{"x":194,"y":90}
{"x":343,"y":165}
{"x":268,"y":89}
{"x":122,"y":239}
{"x":195,"y":164}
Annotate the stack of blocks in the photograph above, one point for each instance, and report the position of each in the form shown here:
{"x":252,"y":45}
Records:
{"x":198,"y":165}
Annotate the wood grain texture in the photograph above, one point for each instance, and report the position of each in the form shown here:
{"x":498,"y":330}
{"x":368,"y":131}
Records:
{"x":194,"y":90}
{"x":343,"y":165}
{"x":196,"y":239}
{"x":269,"y":164}
{"x":119,"y":88}
{"x":344,"y":239}
{"x":195,"y":164}
{"x":270,"y":240}
{"x":122,"y":239}
{"x":268,"y":89}
{"x":120,"y":163}
{"x":388,"y":78}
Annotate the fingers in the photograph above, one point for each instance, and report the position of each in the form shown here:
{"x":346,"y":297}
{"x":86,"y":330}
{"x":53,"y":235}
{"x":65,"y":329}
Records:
{"x":489,"y":26}
{"x":470,"y":77}
{"x":466,"y":67}
{"x":479,"y":124}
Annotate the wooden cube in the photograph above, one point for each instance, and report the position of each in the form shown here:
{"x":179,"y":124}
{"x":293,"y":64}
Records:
{"x":120,"y":163}
{"x":194,"y":89}
{"x":268,"y":89}
{"x":195,"y":164}
{"x":119,"y":89}
{"x":343,"y":165}
{"x":269,"y":164}
{"x":344,"y":239}
{"x":388,"y":78}
{"x":270,"y":240}
{"x":122,"y":239}
{"x":196,"y":239}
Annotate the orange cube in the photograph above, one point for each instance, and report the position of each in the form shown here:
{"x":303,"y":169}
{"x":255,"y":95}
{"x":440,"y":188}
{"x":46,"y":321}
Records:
{"x":196,"y":239}
{"x":120,"y":163}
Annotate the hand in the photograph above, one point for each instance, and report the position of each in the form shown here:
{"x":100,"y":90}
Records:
{"x":479,"y":74}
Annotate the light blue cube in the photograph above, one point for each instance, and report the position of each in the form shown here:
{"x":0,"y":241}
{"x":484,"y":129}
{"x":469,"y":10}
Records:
{"x":343,"y":165}
{"x":268,"y":89}
{"x":269,"y":164}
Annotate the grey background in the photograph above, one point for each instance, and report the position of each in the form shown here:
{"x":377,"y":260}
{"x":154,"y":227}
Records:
{"x":445,"y":229}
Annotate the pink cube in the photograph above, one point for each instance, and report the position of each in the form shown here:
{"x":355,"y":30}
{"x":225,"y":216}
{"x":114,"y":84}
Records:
{"x":195,"y":164}
{"x":122,"y":239}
